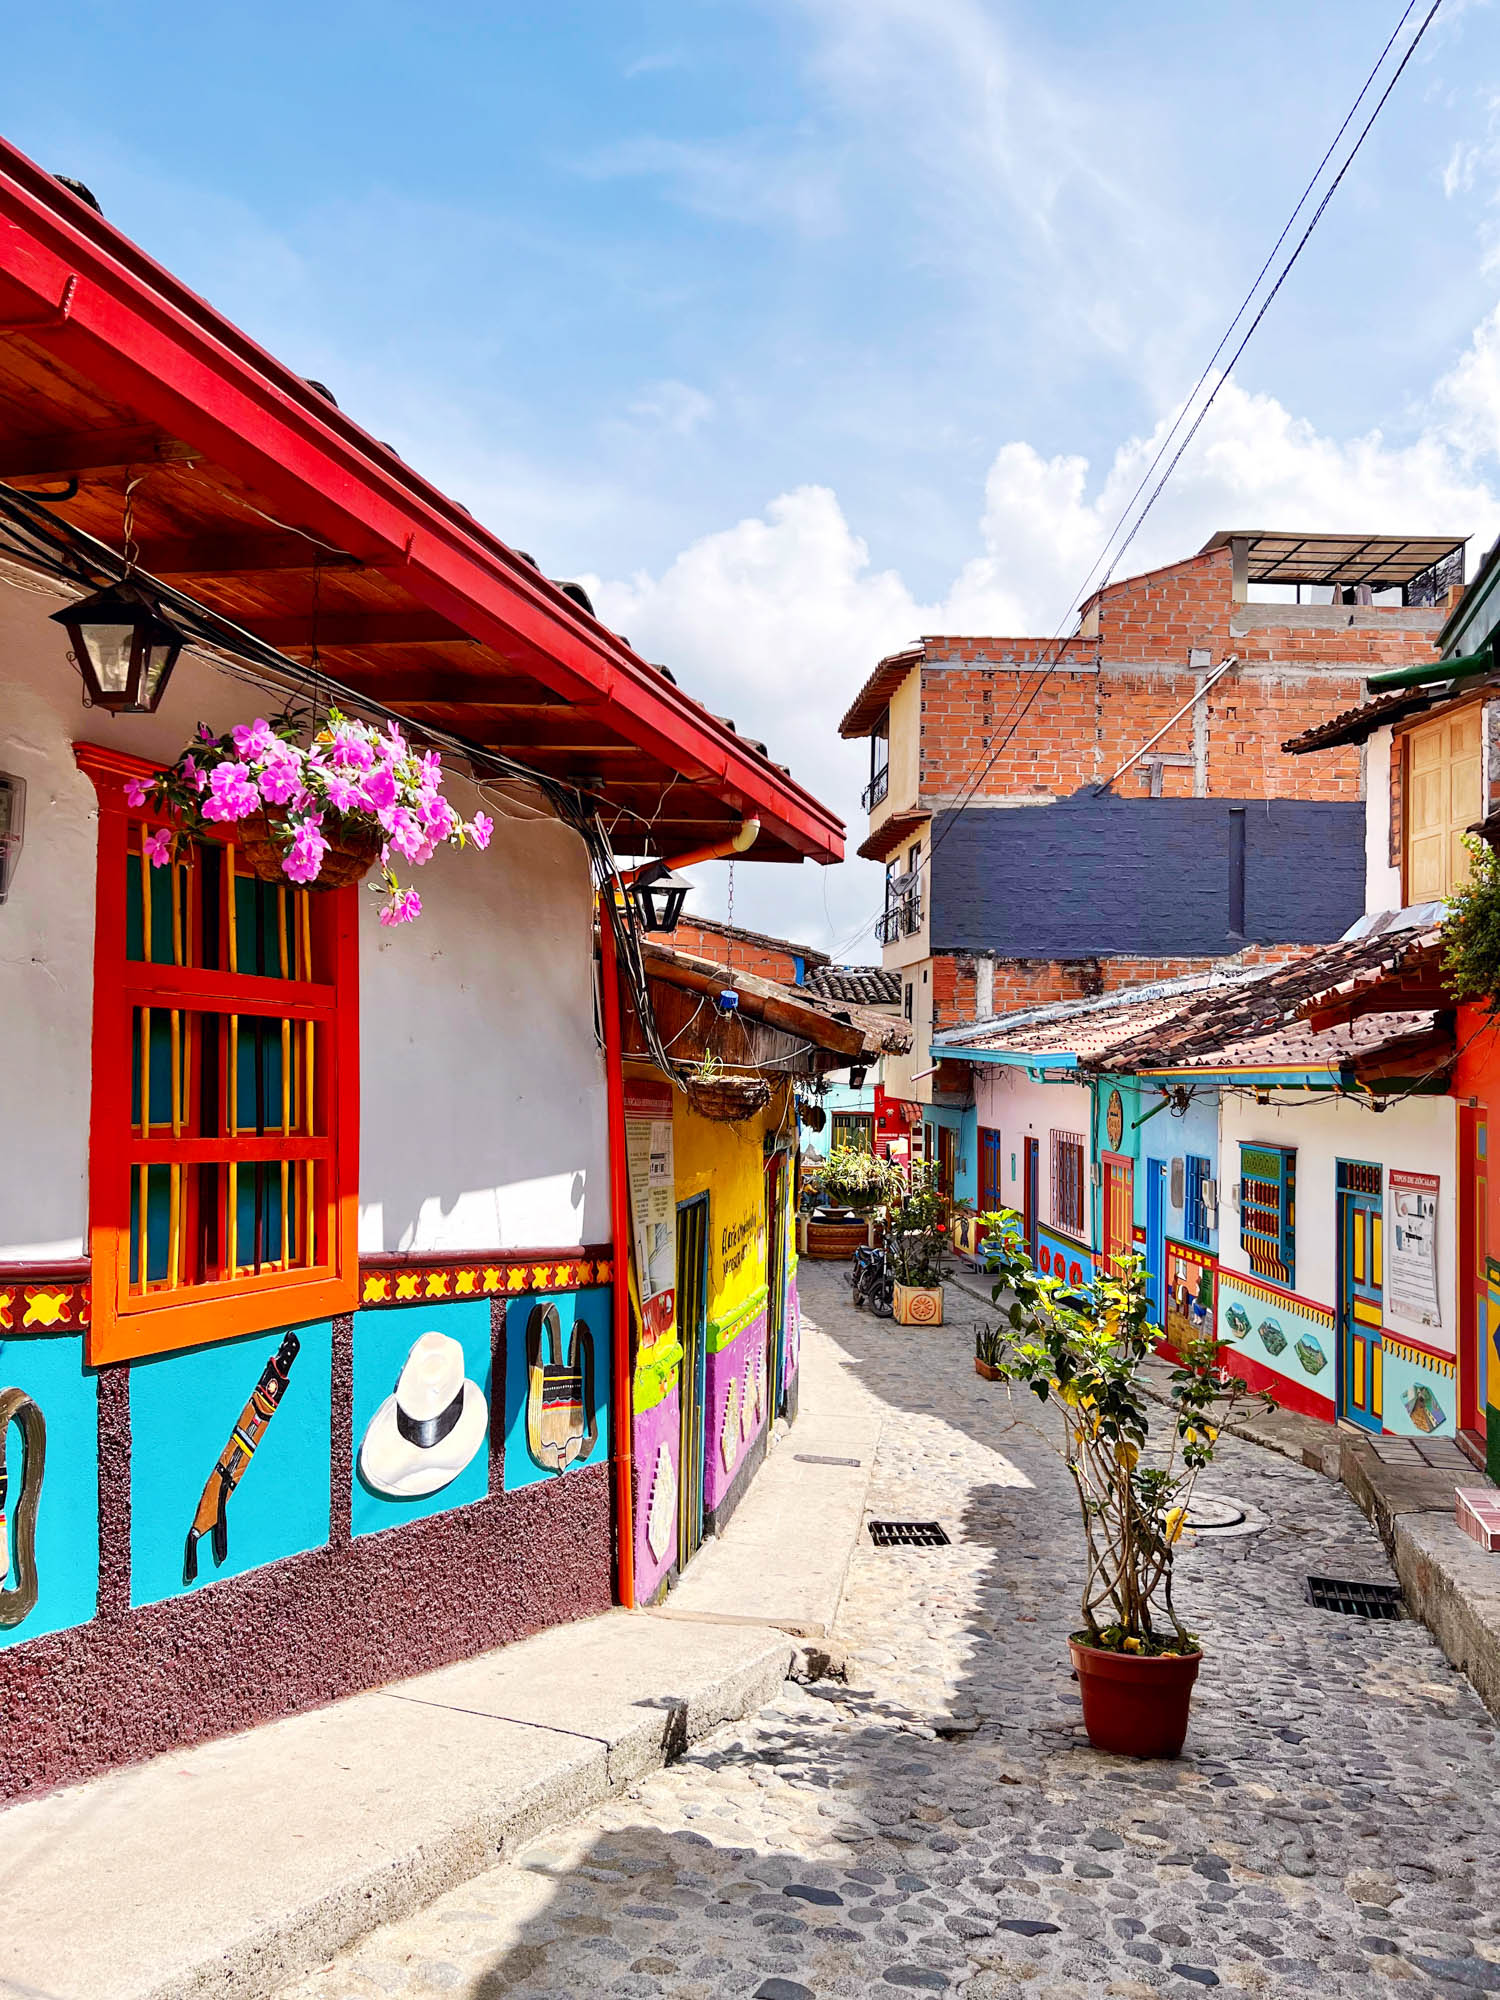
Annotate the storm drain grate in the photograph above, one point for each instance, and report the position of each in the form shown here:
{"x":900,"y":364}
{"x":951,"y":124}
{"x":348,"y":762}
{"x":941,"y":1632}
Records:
{"x":908,"y":1535}
{"x":1353,"y":1598}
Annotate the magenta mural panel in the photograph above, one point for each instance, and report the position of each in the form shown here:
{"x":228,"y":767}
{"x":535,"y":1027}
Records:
{"x":792,"y":1341}
{"x":657,"y":1434}
{"x":735,"y":1399}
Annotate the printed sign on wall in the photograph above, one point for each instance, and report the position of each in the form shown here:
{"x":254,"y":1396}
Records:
{"x":1413,"y":1258}
{"x":648,"y":1157}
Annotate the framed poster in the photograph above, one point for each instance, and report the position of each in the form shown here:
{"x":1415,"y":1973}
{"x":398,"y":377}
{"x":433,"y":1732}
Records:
{"x":1413,"y":1252}
{"x":648,"y":1162}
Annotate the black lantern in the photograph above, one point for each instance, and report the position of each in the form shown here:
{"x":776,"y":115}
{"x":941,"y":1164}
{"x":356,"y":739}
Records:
{"x":124,"y":646}
{"x":857,"y":1074}
{"x":657,"y":897}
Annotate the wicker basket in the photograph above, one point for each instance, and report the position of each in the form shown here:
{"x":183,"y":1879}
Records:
{"x":812,"y":1117}
{"x":728,"y":1100}
{"x":351,"y":854}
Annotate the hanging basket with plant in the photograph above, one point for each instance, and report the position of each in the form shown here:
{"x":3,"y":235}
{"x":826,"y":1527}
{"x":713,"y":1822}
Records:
{"x":1084,"y":1353}
{"x":319,"y":813}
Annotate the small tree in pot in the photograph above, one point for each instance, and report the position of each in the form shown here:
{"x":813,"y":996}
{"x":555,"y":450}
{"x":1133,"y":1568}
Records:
{"x":1084,"y":1351}
{"x":916,"y":1235}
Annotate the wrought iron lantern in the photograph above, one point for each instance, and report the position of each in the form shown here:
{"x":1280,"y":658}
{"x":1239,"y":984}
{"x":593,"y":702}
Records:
{"x":857,"y":1074}
{"x":657,"y":897}
{"x":125,"y":647}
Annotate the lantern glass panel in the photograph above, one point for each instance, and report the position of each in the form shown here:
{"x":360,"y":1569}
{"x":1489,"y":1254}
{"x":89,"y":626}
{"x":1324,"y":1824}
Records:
{"x":110,"y":649}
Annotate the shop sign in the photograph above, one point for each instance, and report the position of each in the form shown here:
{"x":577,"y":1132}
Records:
{"x":1413,"y":1256}
{"x":648,"y":1160}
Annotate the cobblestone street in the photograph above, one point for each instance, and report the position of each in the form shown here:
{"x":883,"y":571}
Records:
{"x":939,"y":1824}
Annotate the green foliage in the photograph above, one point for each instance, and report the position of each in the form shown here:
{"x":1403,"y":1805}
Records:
{"x":1083,"y":1353}
{"x":852,"y":1178}
{"x":1471,"y":930}
{"x":989,"y":1346}
{"x":916,"y":1216}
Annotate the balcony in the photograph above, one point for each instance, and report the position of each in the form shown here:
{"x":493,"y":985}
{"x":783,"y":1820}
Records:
{"x":875,"y":791}
{"x":901,"y":920}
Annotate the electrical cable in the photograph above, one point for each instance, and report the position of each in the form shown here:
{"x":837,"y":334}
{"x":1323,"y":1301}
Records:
{"x":980,"y":771}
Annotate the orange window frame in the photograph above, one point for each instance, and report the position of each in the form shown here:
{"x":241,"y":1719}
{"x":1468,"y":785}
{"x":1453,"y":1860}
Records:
{"x":125,"y":1325}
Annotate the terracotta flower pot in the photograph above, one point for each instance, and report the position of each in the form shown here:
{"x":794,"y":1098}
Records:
{"x":1134,"y":1704}
{"x":352,"y":852}
{"x":986,"y":1369}
{"x":919,"y":1305}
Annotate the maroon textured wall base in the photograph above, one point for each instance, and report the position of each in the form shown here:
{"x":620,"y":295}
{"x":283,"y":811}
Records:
{"x":297,"y":1633}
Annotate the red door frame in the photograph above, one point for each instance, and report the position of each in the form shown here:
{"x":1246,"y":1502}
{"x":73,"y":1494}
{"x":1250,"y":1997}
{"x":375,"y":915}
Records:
{"x":1473,"y":1264}
{"x":990,"y":1164}
{"x":1119,"y":1173}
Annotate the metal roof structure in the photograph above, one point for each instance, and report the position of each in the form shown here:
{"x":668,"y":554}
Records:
{"x":1384,"y":562}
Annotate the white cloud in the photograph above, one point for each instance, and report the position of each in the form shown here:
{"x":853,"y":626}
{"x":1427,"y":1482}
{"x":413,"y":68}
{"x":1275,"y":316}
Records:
{"x":777,"y":620}
{"x":676,"y":407}
{"x":764,"y":180}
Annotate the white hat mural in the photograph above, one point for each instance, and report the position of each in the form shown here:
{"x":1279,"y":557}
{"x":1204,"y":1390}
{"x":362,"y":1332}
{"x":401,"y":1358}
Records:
{"x":425,"y":1433}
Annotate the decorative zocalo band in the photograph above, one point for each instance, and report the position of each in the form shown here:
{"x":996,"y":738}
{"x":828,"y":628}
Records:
{"x":44,"y":1298}
{"x":1275,"y":1295}
{"x":722,"y":1331}
{"x":1419,"y":1356}
{"x":656,"y":1375}
{"x":404,"y":1281}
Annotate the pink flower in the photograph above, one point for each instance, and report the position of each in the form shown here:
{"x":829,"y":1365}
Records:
{"x":396,"y":746}
{"x":136,"y":790}
{"x":205,"y":734}
{"x":379,"y":789}
{"x":438,"y":819}
{"x":343,"y":794}
{"x":408,"y":837}
{"x":403,"y":908}
{"x":158,"y":846}
{"x":231,"y":793}
{"x":351,"y":747}
{"x":253,"y":740}
{"x":305,"y":856}
{"x":188,"y":766}
{"x":481,"y":826}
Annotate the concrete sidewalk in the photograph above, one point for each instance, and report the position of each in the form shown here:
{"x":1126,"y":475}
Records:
{"x":235,"y":1866}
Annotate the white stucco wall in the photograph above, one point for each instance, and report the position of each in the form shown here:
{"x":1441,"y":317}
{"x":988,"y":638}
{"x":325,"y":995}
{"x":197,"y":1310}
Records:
{"x":483,"y":1108}
{"x":1382,"y":881}
{"x":1416,"y":1136}
{"x":1012,"y":1103}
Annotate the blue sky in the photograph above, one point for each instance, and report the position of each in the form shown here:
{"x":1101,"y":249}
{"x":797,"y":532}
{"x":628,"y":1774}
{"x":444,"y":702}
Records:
{"x":805,"y":326}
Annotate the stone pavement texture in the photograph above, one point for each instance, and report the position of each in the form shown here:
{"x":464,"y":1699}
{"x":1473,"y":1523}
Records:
{"x":938,"y":1823}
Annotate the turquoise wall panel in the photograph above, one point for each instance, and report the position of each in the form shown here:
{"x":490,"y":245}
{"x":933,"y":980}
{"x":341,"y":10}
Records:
{"x":1059,"y":1256}
{"x":382,"y":1341}
{"x":51,"y":1371}
{"x":1278,"y":1333}
{"x":591,"y":1311}
{"x":1419,"y":1398}
{"x":183,"y":1410}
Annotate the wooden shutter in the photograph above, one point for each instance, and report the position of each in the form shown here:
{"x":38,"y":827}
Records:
{"x":1444,"y":764}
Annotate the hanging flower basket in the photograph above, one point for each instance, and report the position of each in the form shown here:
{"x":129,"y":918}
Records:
{"x":812,"y":1116}
{"x":728,"y":1100}
{"x":318,"y":814}
{"x":352,"y":851}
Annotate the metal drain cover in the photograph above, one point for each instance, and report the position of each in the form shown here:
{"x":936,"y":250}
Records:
{"x":908,"y":1535}
{"x":1354,"y":1597}
{"x":818,"y":1458}
{"x":1208,"y":1516}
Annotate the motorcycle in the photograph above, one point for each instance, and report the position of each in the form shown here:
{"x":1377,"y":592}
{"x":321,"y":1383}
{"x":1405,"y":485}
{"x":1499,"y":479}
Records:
{"x":874,"y":1282}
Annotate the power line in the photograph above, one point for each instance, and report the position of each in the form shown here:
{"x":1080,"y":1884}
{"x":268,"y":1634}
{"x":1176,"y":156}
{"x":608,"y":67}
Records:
{"x":980,"y":770}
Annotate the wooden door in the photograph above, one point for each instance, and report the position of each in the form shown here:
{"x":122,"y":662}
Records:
{"x":990,"y":1181}
{"x":1119,"y":1209}
{"x":946,"y":1153}
{"x":692,"y":1332}
{"x":1473,"y":1268}
{"x":1031,"y":1191}
{"x":1361,"y":1308}
{"x":1444,"y":797}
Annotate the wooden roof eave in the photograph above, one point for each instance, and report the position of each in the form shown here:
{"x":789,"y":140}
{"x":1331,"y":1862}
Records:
{"x":852,"y":1033}
{"x":73,"y":284}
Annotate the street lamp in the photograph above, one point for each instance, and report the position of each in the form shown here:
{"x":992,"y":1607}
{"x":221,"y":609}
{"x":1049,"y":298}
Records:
{"x":124,"y":646}
{"x":657,"y":897}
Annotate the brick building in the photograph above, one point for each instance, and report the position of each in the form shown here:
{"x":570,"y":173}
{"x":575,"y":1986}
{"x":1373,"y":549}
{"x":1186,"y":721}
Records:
{"x":1065,"y":818}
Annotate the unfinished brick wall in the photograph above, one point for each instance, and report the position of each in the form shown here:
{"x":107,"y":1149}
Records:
{"x":1109,"y":692}
{"x":1036,"y":982}
{"x":740,"y":953}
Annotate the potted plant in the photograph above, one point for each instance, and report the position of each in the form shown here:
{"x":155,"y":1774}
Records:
{"x":319,"y":813}
{"x":989,"y":1351}
{"x":851,"y":1183}
{"x":1084,"y":1353}
{"x":916,"y":1212}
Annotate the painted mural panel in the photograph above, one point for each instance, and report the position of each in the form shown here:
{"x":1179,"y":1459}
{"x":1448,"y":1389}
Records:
{"x":792,"y":1345}
{"x":1191,"y":1305}
{"x":1419,"y":1389}
{"x":557,"y":1349}
{"x":735,"y":1394}
{"x":49,"y":1492}
{"x":1289,"y":1336}
{"x":421,"y":1412}
{"x":229,"y":1459}
{"x":1058,"y":1256}
{"x":657,"y":1435}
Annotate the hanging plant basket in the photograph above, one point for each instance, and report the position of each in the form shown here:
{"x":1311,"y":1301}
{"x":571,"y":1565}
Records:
{"x":728,"y":1100}
{"x":352,"y":851}
{"x":812,"y":1116}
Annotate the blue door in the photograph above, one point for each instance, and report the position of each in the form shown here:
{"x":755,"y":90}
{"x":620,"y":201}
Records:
{"x":1156,"y":1239}
{"x":692,"y":1332}
{"x":1361,"y":1292}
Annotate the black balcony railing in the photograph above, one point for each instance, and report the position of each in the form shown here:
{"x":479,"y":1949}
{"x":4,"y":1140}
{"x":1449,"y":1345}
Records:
{"x":876,"y":790}
{"x":900,"y":920}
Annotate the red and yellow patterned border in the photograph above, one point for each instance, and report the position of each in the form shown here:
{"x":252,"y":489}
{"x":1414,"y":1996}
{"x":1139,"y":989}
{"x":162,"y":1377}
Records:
{"x":48,"y":1306}
{"x":38,"y":1303}
{"x":400,"y":1282}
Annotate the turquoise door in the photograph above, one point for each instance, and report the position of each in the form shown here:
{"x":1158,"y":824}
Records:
{"x":1156,"y":1239}
{"x":1361,"y":1226}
